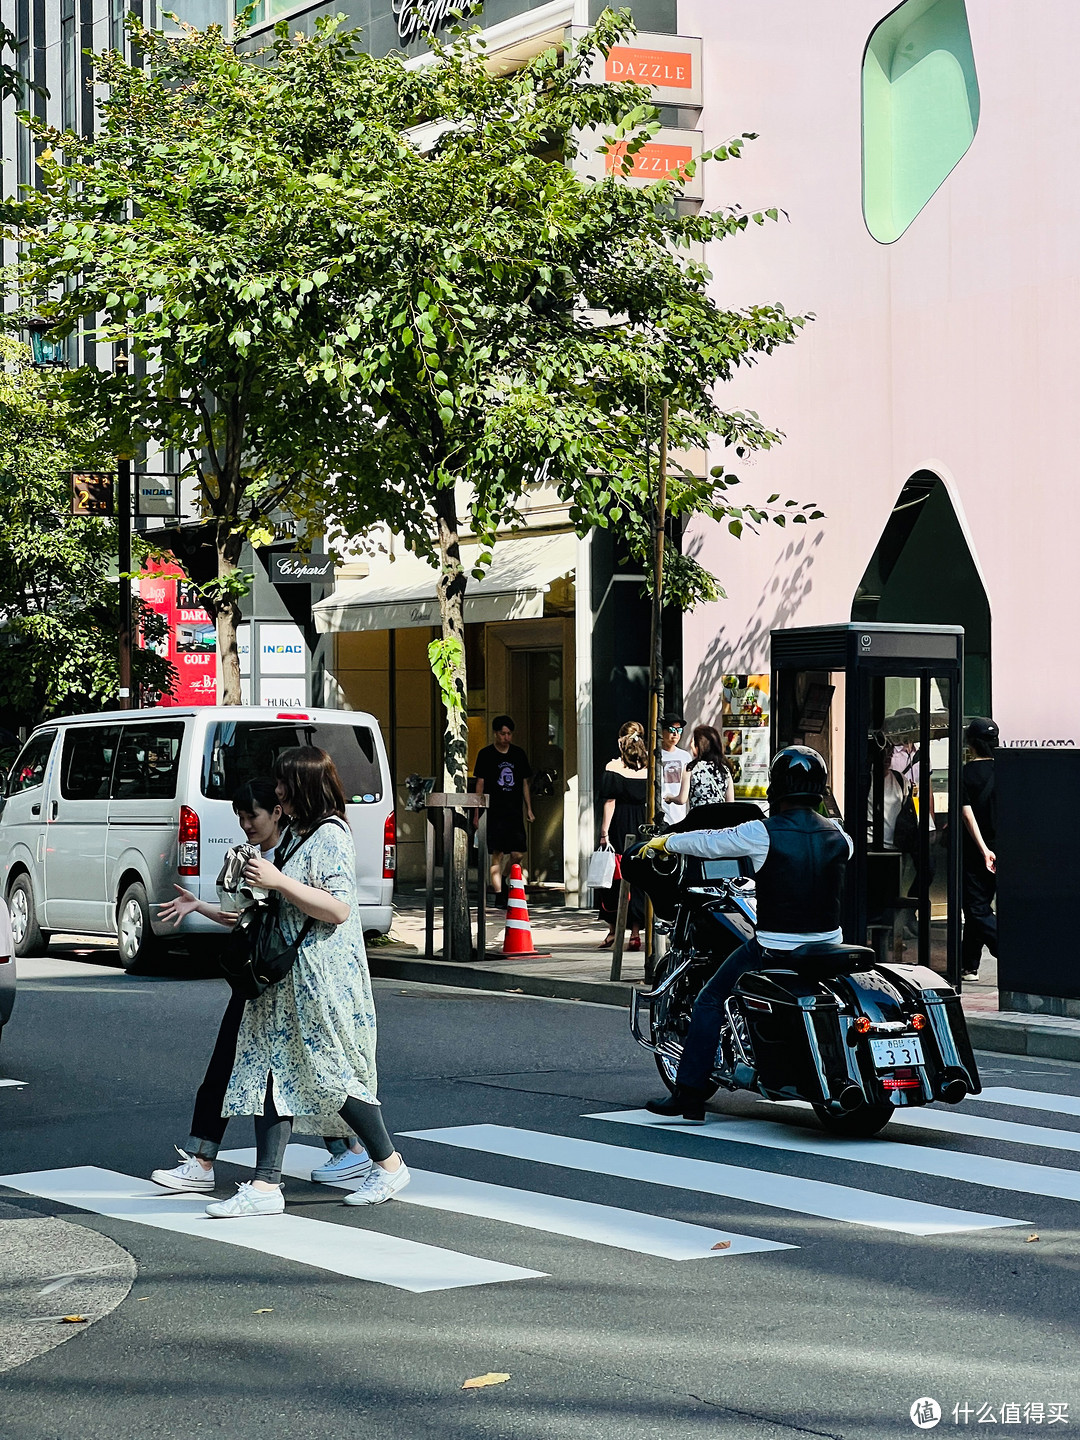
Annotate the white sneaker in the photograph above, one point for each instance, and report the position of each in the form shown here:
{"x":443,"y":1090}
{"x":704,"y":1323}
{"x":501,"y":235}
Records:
{"x":380,"y":1185}
{"x":188,"y":1175}
{"x":352,"y":1165}
{"x":247,"y":1201}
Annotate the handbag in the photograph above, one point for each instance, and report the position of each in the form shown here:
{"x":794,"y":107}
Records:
{"x":906,"y":829}
{"x":603,"y":866}
{"x":256,"y":955}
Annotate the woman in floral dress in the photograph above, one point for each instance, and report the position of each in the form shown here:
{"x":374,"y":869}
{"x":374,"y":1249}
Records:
{"x":305,"y":1055}
{"x":707,"y":779}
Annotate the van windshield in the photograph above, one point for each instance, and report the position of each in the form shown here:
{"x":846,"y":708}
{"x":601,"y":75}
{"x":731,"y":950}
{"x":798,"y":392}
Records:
{"x":242,"y":750}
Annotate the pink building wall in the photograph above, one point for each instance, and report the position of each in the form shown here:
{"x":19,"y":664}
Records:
{"x":955,"y":350}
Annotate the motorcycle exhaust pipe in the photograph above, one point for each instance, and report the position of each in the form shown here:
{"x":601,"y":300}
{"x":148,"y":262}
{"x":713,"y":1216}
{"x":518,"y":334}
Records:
{"x":952,"y":1087}
{"x":850,"y":1098}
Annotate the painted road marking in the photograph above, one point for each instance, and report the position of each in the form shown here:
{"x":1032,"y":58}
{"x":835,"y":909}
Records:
{"x":759,"y":1187}
{"x":555,"y":1214}
{"x":1031,"y":1099}
{"x":342,"y":1249}
{"x":915,"y":1159}
{"x":12,"y":1082}
{"x":981,"y":1128}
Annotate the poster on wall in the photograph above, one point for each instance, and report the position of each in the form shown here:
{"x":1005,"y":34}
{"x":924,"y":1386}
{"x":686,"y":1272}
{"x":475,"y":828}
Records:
{"x":190,"y":641}
{"x":745,"y":722}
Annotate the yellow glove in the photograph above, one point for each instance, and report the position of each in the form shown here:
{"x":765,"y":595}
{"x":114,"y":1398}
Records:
{"x":658,"y":843}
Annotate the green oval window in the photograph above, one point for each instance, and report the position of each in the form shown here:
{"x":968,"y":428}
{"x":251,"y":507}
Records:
{"x":920,"y":99}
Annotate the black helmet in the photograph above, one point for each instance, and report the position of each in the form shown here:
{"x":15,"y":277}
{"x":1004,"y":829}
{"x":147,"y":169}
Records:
{"x":982,"y":734}
{"x":797,"y":772}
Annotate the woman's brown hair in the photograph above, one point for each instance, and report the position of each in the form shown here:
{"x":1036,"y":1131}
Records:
{"x":632,"y":745}
{"x":312,"y":785}
{"x":709,"y":745}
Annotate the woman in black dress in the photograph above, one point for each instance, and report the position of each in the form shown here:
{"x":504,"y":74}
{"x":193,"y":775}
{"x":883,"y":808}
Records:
{"x":622,"y":789}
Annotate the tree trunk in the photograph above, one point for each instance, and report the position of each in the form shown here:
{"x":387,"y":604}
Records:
{"x":226,"y":618}
{"x":451,"y":593}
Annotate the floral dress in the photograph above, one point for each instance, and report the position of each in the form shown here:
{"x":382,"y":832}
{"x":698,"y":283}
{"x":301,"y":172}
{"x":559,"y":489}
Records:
{"x":315,"y":1031}
{"x":710,"y":784}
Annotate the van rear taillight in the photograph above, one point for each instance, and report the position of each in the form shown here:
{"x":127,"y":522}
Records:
{"x":389,"y":847}
{"x":188,"y":838}
{"x":291,"y":715}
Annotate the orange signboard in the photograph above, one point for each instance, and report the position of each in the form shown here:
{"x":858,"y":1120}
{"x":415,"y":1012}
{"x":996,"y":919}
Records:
{"x":653,"y":161}
{"x":666,"y":69}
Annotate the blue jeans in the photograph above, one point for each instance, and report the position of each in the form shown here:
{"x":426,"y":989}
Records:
{"x":707,"y":1018}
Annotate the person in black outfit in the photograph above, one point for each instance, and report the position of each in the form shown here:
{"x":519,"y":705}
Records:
{"x":623,"y":789}
{"x":979,"y":870}
{"x":503,"y":772}
{"x":800,"y":859}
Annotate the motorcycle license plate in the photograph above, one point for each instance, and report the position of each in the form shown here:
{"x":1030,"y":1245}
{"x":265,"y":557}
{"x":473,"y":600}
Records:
{"x":889,"y":1054}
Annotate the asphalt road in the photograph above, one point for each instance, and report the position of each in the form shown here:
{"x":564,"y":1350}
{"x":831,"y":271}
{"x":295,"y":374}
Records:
{"x":837,"y":1335}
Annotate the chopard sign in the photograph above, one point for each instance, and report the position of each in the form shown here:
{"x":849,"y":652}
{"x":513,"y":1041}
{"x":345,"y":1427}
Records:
{"x":417,"y":17}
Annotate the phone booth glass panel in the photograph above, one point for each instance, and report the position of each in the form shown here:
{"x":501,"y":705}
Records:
{"x":881,"y":705}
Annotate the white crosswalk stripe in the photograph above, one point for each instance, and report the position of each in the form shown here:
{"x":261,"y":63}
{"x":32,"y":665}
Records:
{"x":555,"y":1214}
{"x":11,"y":1082}
{"x":343,"y":1245}
{"x":926,"y":1160}
{"x":1031,"y":1099}
{"x":759,"y":1187}
{"x":342,"y":1249}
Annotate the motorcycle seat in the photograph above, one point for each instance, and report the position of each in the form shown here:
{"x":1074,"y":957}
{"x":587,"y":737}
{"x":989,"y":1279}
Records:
{"x":825,"y":959}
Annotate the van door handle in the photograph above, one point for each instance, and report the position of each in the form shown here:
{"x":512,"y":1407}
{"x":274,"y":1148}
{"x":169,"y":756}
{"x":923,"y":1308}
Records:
{"x":54,"y":809}
{"x":35,"y":809}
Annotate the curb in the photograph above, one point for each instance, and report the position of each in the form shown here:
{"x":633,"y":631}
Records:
{"x":1039,"y":1039}
{"x":467,"y":977}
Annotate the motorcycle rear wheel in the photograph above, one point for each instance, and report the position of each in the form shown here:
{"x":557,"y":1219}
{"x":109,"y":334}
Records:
{"x":858,"y":1124}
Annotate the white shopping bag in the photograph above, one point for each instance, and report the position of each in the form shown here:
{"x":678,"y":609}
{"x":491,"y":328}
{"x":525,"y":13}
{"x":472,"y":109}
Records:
{"x":602,"y":868}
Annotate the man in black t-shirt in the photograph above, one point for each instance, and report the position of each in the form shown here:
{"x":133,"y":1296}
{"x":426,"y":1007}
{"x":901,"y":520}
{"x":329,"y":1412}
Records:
{"x":502,"y":772}
{"x":979,"y":873}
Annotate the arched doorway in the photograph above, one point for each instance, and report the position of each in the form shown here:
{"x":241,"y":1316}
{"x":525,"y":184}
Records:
{"x":923,"y":573}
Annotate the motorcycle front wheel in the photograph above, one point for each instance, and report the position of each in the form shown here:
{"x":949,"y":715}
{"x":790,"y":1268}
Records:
{"x":857,"y":1124}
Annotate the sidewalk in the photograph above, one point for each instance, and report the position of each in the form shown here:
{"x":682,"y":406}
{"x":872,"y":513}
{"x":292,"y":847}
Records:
{"x":573,"y":967}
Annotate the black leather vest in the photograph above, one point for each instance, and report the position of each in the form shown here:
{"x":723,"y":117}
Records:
{"x":801,"y":882}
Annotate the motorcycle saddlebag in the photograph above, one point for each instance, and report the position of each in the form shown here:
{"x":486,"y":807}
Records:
{"x":782,"y":1010}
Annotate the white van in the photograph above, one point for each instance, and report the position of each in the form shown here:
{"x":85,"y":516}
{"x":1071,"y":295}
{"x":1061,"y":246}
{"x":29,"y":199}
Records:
{"x":103,"y":814}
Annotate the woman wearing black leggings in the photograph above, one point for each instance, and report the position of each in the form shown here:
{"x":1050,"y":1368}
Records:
{"x":305,"y":1054}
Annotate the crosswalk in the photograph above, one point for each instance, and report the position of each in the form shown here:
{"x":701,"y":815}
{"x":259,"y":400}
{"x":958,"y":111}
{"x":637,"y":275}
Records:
{"x":731,"y":1162}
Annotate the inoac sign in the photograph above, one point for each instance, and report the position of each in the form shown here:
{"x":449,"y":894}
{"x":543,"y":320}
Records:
{"x":417,"y":17}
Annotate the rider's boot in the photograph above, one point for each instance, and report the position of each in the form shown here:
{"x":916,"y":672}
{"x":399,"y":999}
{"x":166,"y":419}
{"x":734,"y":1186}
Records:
{"x":687,"y":1103}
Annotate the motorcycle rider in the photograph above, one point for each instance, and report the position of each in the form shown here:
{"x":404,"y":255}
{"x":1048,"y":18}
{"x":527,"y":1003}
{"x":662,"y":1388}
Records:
{"x":799,"y":860}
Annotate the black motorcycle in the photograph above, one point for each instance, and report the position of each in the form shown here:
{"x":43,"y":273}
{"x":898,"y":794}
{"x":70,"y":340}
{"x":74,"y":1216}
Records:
{"x":828,"y":1024}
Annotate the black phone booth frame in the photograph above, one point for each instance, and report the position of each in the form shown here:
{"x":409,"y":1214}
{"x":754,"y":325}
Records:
{"x":829,"y":691}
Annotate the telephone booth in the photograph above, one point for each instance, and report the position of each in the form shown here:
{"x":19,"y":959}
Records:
{"x":882,"y":704}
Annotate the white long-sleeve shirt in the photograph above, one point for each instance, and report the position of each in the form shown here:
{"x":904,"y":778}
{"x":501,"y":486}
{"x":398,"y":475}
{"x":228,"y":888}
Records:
{"x":751,"y":840}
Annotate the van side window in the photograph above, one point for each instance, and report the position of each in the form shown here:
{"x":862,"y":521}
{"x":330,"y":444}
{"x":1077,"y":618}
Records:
{"x":148,"y":761}
{"x":87,"y":761}
{"x":29,"y":769}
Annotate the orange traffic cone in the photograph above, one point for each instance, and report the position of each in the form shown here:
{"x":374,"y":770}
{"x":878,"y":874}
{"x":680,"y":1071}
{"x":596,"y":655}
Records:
{"x":517,"y":939}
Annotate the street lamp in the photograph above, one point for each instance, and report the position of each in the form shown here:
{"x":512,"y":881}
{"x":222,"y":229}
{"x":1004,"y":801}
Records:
{"x":48,"y":354}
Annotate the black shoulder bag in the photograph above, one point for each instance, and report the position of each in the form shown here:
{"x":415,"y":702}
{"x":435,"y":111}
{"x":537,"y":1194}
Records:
{"x":256,"y":955}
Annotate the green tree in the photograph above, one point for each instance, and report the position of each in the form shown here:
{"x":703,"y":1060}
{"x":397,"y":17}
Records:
{"x":180,"y":232}
{"x":59,"y":598}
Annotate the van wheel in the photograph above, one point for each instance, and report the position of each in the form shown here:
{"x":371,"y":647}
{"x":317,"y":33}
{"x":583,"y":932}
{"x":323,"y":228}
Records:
{"x":135,"y":938}
{"x":26,"y":936}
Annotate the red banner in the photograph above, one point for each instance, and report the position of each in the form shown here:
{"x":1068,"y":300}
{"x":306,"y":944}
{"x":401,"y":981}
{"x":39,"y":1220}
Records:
{"x":190,"y":641}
